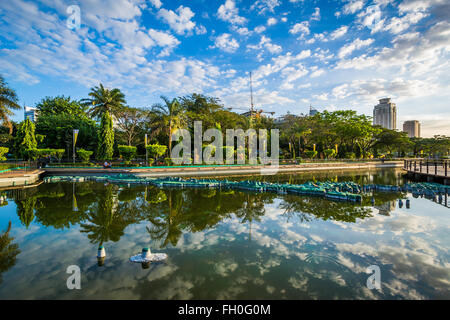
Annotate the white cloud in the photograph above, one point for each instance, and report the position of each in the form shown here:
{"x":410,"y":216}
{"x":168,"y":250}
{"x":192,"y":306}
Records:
{"x":164,"y":39}
{"x":156,"y":3}
{"x":260,"y":29}
{"x":228,"y":12}
{"x":181,"y":23}
{"x":265,"y":44}
{"x":284,"y":19}
{"x":302,"y":28}
{"x":265,"y":5}
{"x":226,"y":43}
{"x":336,"y":34}
{"x":400,"y":24}
{"x":271,"y":21}
{"x":200,"y":30}
{"x":316,"y":15}
{"x":355,"y":45}
{"x":353,"y":6}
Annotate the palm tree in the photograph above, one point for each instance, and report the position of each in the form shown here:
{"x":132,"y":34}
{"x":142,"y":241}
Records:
{"x":103,"y":100}
{"x":8,"y":101}
{"x":171,"y":115}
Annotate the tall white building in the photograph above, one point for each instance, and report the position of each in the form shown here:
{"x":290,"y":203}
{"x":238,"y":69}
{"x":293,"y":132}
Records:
{"x":385,"y":114}
{"x":31,"y":113}
{"x":412,"y":128}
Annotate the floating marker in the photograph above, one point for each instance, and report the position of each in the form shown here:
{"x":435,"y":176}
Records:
{"x":400,"y":203}
{"x":408,"y":204}
{"x":146,"y":257}
{"x":101,"y":252}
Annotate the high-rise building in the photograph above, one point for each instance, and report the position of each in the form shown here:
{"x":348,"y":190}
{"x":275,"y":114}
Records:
{"x":313,"y":111}
{"x":31,"y":113}
{"x":412,"y":128}
{"x":385,"y":114}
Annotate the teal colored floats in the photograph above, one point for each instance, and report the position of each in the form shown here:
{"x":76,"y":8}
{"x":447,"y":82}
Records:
{"x":335,"y":191}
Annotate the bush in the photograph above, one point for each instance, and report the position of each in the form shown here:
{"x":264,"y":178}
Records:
{"x":127,"y":152}
{"x":329,"y":153}
{"x":84,"y":154}
{"x":156,"y":150}
{"x":311,"y":154}
{"x":350,"y":155}
{"x":3,"y":151}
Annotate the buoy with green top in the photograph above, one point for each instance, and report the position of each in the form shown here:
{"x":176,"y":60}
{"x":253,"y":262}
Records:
{"x":146,"y":256}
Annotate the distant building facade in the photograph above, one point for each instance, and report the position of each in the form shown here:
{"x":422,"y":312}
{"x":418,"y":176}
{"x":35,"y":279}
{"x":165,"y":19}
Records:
{"x":30,"y":113}
{"x":412,"y":128}
{"x":385,"y":114}
{"x":312,"y":111}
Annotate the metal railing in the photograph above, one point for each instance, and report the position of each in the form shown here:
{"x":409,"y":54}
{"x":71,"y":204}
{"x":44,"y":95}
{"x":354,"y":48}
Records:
{"x":428,"y":166}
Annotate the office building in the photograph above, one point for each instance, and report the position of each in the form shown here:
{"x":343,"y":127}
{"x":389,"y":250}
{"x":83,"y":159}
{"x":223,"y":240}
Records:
{"x":385,"y":114}
{"x":31,"y":113}
{"x":412,"y":128}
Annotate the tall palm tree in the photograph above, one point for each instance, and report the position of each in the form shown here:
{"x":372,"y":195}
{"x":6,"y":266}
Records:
{"x":8,"y":101}
{"x":8,"y":251}
{"x":102,"y":100}
{"x":171,"y":115}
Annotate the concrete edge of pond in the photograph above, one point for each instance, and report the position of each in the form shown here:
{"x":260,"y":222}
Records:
{"x":21,"y":180}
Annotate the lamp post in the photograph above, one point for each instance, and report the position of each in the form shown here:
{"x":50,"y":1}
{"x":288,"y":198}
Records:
{"x":75,"y":136}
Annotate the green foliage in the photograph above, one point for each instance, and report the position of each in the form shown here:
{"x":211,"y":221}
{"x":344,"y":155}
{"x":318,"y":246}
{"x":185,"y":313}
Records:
{"x":105,"y":138}
{"x":58,"y":131}
{"x":329,"y":153}
{"x":50,"y":106}
{"x":3,"y":151}
{"x":311,"y":154}
{"x":350,"y":155}
{"x":156,"y":150}
{"x":8,"y":102}
{"x":103,"y":101}
{"x":127,"y":152}
{"x":25,"y":139}
{"x":84,"y":154}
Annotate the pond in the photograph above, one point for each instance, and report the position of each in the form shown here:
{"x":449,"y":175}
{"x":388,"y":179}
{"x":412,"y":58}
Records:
{"x":223,"y":244}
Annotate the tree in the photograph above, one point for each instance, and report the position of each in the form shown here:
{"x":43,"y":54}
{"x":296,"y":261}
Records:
{"x":25,"y":139}
{"x":103,"y":101}
{"x":170,"y":115}
{"x":8,"y":101}
{"x":129,"y":120}
{"x":60,"y":105}
{"x":58,"y":131}
{"x":391,"y":140}
{"x":127,"y":152}
{"x":105,"y":138}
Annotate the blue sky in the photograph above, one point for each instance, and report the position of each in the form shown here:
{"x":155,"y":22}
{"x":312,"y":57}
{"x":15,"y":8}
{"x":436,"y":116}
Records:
{"x":335,"y":54}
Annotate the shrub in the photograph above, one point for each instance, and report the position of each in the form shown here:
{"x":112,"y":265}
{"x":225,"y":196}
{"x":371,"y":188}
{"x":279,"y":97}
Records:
{"x":311,"y":154}
{"x":350,"y":155}
{"x":3,"y":151}
{"x":329,"y":153}
{"x":84,"y":154}
{"x":156,"y":150}
{"x":127,"y":152}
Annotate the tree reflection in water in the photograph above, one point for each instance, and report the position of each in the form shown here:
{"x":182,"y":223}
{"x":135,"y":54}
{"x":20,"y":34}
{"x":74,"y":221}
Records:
{"x":104,"y":211}
{"x":8,"y":251}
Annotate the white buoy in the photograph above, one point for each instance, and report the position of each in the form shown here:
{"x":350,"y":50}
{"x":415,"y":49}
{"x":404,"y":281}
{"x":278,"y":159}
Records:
{"x":101,"y":252}
{"x":146,"y":256}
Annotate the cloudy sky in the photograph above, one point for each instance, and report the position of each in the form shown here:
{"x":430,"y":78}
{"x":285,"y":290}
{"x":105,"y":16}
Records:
{"x":331,"y":54}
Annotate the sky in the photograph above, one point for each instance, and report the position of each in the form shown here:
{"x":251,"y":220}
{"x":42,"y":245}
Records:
{"x":331,"y":54}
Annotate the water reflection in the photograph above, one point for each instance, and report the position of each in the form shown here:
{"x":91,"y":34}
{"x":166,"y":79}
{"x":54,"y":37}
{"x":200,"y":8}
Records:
{"x":8,"y":251}
{"x":300,"y":247}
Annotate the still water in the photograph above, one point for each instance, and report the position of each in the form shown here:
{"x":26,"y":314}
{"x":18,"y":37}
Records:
{"x":222,"y":244}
